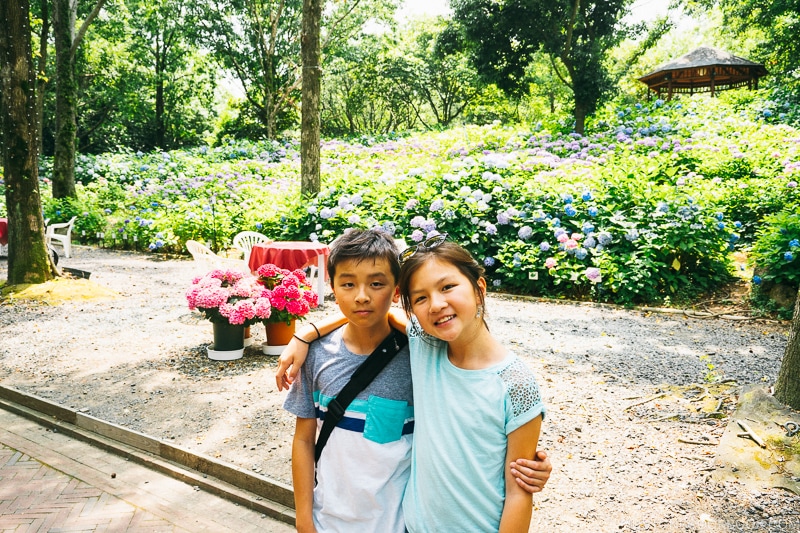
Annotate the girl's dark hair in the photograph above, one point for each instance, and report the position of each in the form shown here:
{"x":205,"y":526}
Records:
{"x":362,"y":245}
{"x":447,"y":252}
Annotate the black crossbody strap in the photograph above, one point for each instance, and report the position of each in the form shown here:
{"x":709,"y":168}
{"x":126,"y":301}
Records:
{"x":363,"y":376}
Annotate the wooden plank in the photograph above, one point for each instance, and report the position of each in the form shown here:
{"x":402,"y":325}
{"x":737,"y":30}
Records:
{"x":118,"y":433}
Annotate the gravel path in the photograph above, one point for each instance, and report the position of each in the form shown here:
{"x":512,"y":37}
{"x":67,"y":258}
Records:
{"x":139,"y":361}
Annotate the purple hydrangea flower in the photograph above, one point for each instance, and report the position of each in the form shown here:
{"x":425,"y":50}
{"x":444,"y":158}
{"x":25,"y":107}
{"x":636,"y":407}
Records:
{"x":417,"y":235}
{"x":491,"y":229}
{"x":354,"y":219}
{"x":489,"y":261}
{"x":604,"y":238}
{"x":417,"y":221}
{"x":593,"y":274}
{"x":503,"y":218}
{"x":544,"y":246}
{"x":525,"y":232}
{"x":411,"y":204}
{"x":437,"y":205}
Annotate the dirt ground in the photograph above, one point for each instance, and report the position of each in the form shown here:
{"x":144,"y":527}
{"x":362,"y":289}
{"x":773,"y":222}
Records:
{"x":638,"y":400}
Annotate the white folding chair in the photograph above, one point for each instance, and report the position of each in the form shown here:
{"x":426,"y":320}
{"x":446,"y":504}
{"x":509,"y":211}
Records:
{"x":61,"y":233}
{"x":208,"y":260}
{"x":245,"y":240}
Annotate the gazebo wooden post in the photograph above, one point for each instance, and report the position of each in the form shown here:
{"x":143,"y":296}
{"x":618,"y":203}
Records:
{"x":712,"y":82}
{"x":669,"y":86}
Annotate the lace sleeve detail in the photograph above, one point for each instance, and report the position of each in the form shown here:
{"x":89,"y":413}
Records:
{"x":521,"y":386}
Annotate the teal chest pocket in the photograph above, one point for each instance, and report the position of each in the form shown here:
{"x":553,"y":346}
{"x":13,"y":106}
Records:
{"x":385,"y":419}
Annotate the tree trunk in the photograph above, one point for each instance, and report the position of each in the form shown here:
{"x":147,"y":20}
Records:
{"x":787,"y":388}
{"x":580,"y":118}
{"x":160,"y":126}
{"x":64,"y":12}
{"x":40,"y":78}
{"x":27,"y":256}
{"x":312,"y":73}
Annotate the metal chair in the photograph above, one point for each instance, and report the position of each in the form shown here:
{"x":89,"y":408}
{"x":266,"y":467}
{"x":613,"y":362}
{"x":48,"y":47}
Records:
{"x":245,"y":240}
{"x":61,"y":233}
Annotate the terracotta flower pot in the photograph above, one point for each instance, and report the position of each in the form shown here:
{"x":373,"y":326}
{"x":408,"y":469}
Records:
{"x":278,"y":335}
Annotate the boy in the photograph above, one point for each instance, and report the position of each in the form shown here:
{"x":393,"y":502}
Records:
{"x":362,"y":473}
{"x":364,"y":467}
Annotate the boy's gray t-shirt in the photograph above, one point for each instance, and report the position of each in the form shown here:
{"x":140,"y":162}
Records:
{"x":364,"y":468}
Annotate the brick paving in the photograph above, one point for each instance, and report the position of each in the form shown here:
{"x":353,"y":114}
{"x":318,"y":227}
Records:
{"x":52,"y":483}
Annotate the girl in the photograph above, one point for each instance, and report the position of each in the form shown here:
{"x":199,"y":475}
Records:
{"x":477,"y":406}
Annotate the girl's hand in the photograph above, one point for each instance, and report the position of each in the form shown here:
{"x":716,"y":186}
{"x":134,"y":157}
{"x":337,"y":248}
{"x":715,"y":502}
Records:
{"x":532,"y":475}
{"x":289,"y":363}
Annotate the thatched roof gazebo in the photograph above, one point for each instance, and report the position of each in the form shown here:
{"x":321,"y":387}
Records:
{"x":702,"y":70}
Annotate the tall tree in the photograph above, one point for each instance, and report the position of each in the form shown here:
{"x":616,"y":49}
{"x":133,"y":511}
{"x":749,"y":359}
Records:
{"x":431,"y":70}
{"x":27,"y":257}
{"x":67,"y":42}
{"x":311,"y":89}
{"x":505,"y":35}
{"x":787,"y":388}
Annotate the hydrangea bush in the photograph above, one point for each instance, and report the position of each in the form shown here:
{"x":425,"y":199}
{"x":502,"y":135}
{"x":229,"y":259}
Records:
{"x":647,"y":205}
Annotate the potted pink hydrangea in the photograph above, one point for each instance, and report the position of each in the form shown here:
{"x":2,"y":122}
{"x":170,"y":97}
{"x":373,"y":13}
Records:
{"x":231,"y":300}
{"x":291,"y":298}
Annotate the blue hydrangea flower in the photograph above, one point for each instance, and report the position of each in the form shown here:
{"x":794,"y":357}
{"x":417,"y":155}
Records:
{"x":544,"y":246}
{"x":604,"y":238}
{"x":719,"y":216}
{"x":567,"y":198}
{"x":107,"y":211}
{"x":151,"y":247}
{"x":767,"y":113}
{"x":497,"y":282}
{"x":503,"y":218}
{"x":663,"y":207}
{"x":632,"y":234}
{"x":721,"y":225}
{"x":159,"y":243}
{"x":428,"y":226}
{"x":569,"y":210}
{"x":389,"y":227}
{"x":737,"y":224}
{"x":556,"y":222}
{"x":525,"y":232}
{"x":587,"y":195}
{"x":794,"y":243}
{"x":789,"y":256}
{"x":489,"y":261}
{"x":581,"y":253}
{"x":757,"y":280}
{"x":590,"y":242}
{"x":259,"y":225}
{"x":587,"y":228}
{"x":592,"y":211}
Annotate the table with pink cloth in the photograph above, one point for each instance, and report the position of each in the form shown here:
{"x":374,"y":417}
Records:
{"x":292,"y":255}
{"x":3,"y":231}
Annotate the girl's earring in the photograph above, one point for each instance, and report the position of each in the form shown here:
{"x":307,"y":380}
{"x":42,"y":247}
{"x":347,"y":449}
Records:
{"x":479,"y":313}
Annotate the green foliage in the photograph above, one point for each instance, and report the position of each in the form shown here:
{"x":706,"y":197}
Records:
{"x":505,"y":36}
{"x":644,"y":209}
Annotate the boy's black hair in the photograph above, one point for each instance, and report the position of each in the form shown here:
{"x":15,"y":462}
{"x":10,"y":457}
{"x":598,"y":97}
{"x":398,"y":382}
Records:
{"x":362,"y":245}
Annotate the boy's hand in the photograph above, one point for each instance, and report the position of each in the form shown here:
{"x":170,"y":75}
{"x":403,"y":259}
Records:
{"x":532,"y":475}
{"x":289,"y":363}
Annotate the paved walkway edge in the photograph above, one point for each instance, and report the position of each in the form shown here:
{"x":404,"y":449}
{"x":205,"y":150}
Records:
{"x":270,"y":497}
